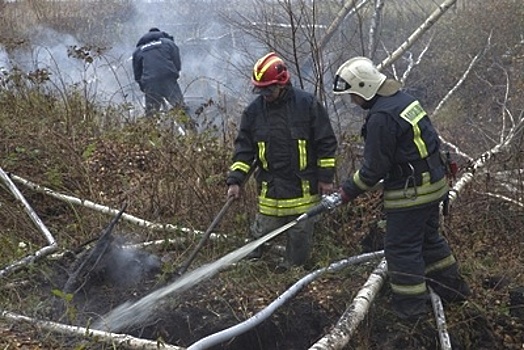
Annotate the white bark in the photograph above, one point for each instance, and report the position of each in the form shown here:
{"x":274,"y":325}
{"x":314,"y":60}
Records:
{"x":51,"y":248}
{"x":518,"y":203}
{"x":432,"y":19}
{"x":479,"y":164}
{"x":463,"y":78}
{"x":350,"y":7}
{"x":412,"y":63}
{"x":375,"y":23}
{"x":440,"y":319}
{"x":104,"y":209}
{"x":446,"y":98}
{"x":114,"y":338}
{"x":340,"y":335}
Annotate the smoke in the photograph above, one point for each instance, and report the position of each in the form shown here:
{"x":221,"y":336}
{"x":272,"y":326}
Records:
{"x":129,"y":266}
{"x":5,"y":65}
{"x":215,"y":63}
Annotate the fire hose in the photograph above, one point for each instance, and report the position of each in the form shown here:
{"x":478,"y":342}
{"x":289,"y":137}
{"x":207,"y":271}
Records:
{"x":213,"y":224}
{"x":139,"y":311}
{"x":328,"y":202}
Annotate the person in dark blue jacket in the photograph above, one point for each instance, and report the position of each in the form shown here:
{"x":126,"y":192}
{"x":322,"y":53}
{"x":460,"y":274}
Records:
{"x":402,"y":150}
{"x":156,"y":68}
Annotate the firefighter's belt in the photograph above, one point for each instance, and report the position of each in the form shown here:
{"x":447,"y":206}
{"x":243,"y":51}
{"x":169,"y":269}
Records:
{"x":417,"y":167}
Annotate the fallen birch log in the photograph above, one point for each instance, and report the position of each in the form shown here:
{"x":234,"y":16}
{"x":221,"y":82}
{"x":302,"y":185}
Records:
{"x":45,"y":251}
{"x":340,"y":335}
{"x":440,"y":319}
{"x":101,"y":208}
{"x":116,"y":339}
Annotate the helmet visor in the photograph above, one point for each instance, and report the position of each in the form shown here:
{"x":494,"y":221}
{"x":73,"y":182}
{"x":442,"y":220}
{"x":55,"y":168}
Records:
{"x":340,"y":85}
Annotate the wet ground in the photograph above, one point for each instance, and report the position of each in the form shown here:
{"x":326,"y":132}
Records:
{"x":104,"y":276}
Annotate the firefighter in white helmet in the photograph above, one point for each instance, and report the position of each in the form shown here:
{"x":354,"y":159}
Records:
{"x":402,"y":149}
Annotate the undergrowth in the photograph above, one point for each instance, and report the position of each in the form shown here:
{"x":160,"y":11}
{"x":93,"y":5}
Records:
{"x":165,"y":177}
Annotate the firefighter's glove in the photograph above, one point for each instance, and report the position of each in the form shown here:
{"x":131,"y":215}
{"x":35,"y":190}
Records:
{"x":325,"y":188}
{"x":344,"y":196}
{"x":233,"y":191}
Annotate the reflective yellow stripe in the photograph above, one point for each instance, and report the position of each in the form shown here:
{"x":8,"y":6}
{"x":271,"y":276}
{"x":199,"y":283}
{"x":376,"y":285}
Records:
{"x":263,"y":189}
{"x":285,"y":207}
{"x":326,"y":163}
{"x":427,"y":193}
{"x":306,"y":189}
{"x":302,"y":154}
{"x":409,"y":289}
{"x":413,"y":114}
{"x":261,"y":70}
{"x":240,"y":166}
{"x":441,"y":264}
{"x":262,"y":154}
{"x":360,"y":184}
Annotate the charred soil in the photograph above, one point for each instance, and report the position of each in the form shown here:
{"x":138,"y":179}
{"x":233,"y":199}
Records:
{"x":119,"y":274}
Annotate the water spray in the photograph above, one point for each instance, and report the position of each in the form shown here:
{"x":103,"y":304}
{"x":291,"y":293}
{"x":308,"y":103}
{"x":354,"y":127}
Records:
{"x":131,"y":313}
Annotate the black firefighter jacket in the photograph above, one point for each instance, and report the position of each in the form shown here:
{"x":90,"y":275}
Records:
{"x":293,"y":144}
{"x":156,"y":57}
{"x":402,"y":148}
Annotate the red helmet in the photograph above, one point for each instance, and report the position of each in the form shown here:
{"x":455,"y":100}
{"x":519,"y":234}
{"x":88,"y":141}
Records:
{"x":270,"y":70}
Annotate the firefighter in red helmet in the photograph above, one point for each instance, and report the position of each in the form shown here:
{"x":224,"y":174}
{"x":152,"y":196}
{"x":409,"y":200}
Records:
{"x":287,"y":132}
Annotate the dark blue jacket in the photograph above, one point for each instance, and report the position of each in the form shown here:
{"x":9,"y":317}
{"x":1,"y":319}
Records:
{"x":156,"y":57}
{"x":402,"y":148}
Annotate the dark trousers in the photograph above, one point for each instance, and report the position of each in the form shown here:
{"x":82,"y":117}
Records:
{"x":412,"y":245}
{"x":299,"y":237}
{"x":157,"y":91}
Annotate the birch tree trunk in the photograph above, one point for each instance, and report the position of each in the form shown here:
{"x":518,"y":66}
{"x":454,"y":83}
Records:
{"x":432,"y":19}
{"x":355,"y":313}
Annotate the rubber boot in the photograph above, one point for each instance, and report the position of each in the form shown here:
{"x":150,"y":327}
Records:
{"x":410,"y":308}
{"x":449,"y":285}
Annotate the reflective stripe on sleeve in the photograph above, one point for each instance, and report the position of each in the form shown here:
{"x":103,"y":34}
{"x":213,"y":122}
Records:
{"x":240,"y":166}
{"x":326,"y":163}
{"x":360,"y":184}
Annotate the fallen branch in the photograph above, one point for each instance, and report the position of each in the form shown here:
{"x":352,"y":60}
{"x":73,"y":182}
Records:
{"x":440,"y":319}
{"x":453,"y":90}
{"x":340,"y":335}
{"x":349,"y":8}
{"x":114,"y":338}
{"x":103,"y":209}
{"x":503,"y":198}
{"x":432,"y":19}
{"x":47,"y":250}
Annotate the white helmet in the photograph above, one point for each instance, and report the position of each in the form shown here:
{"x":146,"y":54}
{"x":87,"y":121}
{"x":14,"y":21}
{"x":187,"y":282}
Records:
{"x":359,"y":76}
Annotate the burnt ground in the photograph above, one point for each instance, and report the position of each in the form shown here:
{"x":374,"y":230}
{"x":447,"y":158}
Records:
{"x":101,"y":279}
